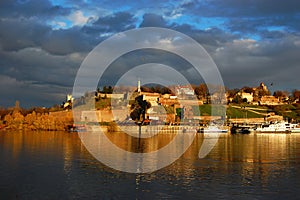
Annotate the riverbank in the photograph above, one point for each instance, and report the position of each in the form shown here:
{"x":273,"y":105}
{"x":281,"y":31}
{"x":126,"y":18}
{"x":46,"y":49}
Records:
{"x":63,"y":120}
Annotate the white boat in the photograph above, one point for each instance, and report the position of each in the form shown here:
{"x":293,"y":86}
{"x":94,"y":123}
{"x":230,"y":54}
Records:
{"x":295,"y":128}
{"x":277,"y":127}
{"x":213,"y":129}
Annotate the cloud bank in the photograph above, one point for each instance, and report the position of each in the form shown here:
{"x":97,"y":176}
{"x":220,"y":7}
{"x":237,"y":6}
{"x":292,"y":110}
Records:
{"x":43,"y":43}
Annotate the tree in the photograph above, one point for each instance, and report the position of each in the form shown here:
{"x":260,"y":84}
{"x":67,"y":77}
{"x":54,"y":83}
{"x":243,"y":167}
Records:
{"x":139,"y":108}
{"x":166,"y":90}
{"x":201,"y":91}
{"x":237,"y":99}
{"x":104,"y":90}
{"x":110,"y":90}
{"x":107,"y":90}
{"x":262,"y":93}
{"x":157,"y":89}
{"x":145,"y":89}
{"x":180,"y":113}
{"x":30,"y":119}
{"x":248,"y":89}
{"x":232,"y":93}
{"x":296,"y":94}
{"x":280,"y":94}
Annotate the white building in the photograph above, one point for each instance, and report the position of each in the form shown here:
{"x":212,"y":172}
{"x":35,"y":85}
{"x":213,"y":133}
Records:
{"x":248,"y":96}
{"x":185,"y":90}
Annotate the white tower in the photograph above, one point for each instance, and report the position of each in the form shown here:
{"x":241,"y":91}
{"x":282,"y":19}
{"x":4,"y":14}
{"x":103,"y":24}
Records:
{"x":139,"y":86}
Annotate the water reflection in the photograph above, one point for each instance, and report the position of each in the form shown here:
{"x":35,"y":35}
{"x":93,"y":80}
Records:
{"x":57,"y":165}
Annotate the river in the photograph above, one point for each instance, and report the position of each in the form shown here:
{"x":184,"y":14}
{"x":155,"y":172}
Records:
{"x":56,"y":165}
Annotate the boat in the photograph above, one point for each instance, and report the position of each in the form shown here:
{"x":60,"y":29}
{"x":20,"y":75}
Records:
{"x":295,"y":128}
{"x":77,"y":128}
{"x":276,"y":127}
{"x":241,"y":129}
{"x":212,"y":129}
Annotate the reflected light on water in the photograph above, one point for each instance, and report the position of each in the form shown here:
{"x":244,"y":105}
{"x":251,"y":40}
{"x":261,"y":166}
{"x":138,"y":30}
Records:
{"x":57,"y":165}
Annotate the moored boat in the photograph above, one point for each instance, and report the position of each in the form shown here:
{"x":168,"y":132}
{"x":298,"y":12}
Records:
{"x":277,"y":127}
{"x":295,"y":128}
{"x":241,"y":129}
{"x":212,"y":129}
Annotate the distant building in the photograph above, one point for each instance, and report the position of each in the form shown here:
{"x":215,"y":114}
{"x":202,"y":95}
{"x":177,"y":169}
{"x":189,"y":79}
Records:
{"x":248,"y":96}
{"x":269,"y":100}
{"x":69,"y":102}
{"x":184,"y":90}
{"x":263,"y":87}
{"x":153,"y":98}
{"x":111,"y":96}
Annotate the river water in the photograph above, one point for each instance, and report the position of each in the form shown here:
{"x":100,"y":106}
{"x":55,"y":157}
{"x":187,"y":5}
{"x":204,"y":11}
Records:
{"x":56,"y":165}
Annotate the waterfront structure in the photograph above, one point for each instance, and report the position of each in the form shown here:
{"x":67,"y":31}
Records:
{"x":212,"y":129}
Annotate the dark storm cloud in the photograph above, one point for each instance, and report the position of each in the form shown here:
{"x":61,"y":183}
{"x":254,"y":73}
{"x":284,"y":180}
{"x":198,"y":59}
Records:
{"x":257,"y":7}
{"x":211,"y":38}
{"x":30,"y":94}
{"x":250,"y":62}
{"x":249,"y":16}
{"x":40,"y":58}
{"x":139,"y":57}
{"x":114,"y":23}
{"x":237,"y":8}
{"x":63,"y":42}
{"x":35,"y":77}
{"x":259,"y":25}
{"x":40,"y":9}
{"x":24,"y":24}
{"x":153,"y":20}
{"x":18,"y":33}
{"x":38,"y":66}
{"x":34,"y":57}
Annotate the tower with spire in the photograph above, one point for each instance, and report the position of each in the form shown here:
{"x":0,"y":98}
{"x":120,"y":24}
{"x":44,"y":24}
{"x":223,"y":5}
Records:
{"x":139,"y":86}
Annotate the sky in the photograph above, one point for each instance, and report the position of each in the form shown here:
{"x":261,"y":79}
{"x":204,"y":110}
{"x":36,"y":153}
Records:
{"x":44,"y":42}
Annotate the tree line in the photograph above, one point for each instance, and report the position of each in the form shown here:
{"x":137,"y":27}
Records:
{"x":36,"y":118}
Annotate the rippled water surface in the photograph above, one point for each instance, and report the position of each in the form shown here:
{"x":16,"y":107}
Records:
{"x":55,"y":165}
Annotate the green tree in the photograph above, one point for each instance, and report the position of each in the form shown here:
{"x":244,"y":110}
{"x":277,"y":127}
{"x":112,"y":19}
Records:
{"x":107,"y":90}
{"x":237,"y":99}
{"x":139,"y":108}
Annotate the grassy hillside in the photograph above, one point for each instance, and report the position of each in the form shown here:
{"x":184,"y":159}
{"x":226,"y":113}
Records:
{"x":231,"y":112}
{"x":241,"y":113}
{"x":253,"y":111}
{"x":288,"y":111}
